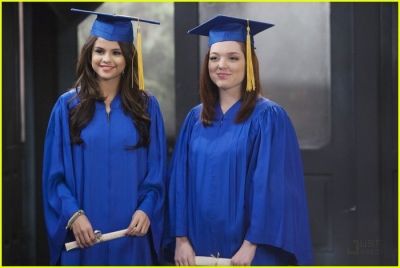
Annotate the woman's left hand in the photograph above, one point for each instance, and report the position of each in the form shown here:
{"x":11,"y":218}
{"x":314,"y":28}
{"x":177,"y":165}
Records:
{"x":139,"y":225}
{"x":245,"y":255}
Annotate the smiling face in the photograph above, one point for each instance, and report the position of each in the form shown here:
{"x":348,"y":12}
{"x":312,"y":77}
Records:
{"x":226,"y":65}
{"x":107,"y":59}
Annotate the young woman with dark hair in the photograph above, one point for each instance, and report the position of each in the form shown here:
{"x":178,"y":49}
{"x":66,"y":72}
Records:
{"x":104,"y":159}
{"x":134,"y":101}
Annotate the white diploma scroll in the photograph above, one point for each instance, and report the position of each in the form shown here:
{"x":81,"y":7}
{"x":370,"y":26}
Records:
{"x":212,"y":261}
{"x":99,"y":238}
{"x":199,"y":260}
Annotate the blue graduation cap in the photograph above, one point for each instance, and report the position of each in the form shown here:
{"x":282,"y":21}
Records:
{"x":118,"y":28}
{"x":113,"y":27}
{"x":223,"y":28}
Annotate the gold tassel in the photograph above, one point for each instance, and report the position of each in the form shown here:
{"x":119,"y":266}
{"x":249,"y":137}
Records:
{"x":134,"y":78}
{"x":140,"y":58}
{"x":250,"y":86}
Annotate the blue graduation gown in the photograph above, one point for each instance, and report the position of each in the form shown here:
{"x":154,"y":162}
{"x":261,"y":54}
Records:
{"x":104,"y":179}
{"x":230,"y":182}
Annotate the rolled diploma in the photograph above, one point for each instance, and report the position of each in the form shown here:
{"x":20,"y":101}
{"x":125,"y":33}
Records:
{"x":212,"y":261}
{"x":102,"y":238}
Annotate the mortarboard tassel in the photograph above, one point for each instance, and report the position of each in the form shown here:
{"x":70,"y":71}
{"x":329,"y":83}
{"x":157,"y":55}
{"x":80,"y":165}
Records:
{"x":140,"y":58}
{"x":134,"y":78}
{"x":250,"y":86}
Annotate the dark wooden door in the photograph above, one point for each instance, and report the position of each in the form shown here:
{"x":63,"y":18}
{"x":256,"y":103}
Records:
{"x":14,"y":227}
{"x":348,"y":187}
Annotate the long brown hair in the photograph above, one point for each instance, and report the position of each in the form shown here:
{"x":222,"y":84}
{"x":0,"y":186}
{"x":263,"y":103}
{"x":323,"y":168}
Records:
{"x":209,"y":93}
{"x":134,"y":101}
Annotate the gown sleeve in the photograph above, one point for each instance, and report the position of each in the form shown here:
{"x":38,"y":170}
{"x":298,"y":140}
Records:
{"x":152,"y":189}
{"x":177,"y":185}
{"x":58,"y":185}
{"x":278,"y":209}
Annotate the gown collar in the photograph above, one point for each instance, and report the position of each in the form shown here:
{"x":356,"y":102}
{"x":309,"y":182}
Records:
{"x":230,"y":113}
{"x":115,"y":103}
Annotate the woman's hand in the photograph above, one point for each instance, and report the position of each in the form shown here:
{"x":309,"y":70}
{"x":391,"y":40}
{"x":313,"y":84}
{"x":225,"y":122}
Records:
{"x":83,"y":231}
{"x":184,"y":253}
{"x":245,"y":254}
{"x":139,"y":225}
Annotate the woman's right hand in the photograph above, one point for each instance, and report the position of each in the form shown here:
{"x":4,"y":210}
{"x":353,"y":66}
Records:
{"x":184,"y":253}
{"x":83,"y":231}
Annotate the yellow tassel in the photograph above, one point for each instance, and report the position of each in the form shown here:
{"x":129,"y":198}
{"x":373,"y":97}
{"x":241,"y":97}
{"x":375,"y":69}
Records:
{"x":134,"y":77}
{"x":140,"y":58}
{"x":250,"y":86}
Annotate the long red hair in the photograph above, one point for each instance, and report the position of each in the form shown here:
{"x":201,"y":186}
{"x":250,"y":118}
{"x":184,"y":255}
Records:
{"x":209,"y":93}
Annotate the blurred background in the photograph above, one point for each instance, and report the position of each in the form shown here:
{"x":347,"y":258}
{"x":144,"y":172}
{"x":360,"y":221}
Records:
{"x":332,"y":66}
